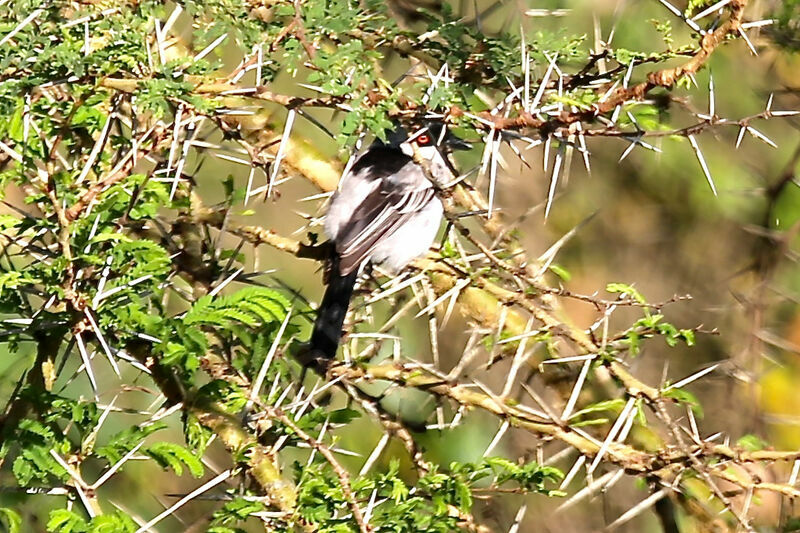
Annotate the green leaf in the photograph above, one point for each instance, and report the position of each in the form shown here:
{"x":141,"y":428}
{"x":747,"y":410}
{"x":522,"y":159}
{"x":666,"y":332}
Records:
{"x":560,"y":271}
{"x":463,"y":495}
{"x":589,"y":422}
{"x":112,"y":523}
{"x":751,"y":443}
{"x":615,"y":406}
{"x":685,"y":397}
{"x":36,"y":428}
{"x":35,"y":462}
{"x":124,"y":441}
{"x":174,"y":456}
{"x":8,"y":221}
{"x":688,"y":336}
{"x":343,"y":416}
{"x":11,"y":519}
{"x":197,"y":436}
{"x":252,"y":307}
{"x":14,"y":279}
{"x":103,"y":237}
{"x":634,"y":342}
{"x":694,"y":5}
{"x":237,"y":510}
{"x":15,"y":126}
{"x":64,"y":521}
{"x":626,"y":290}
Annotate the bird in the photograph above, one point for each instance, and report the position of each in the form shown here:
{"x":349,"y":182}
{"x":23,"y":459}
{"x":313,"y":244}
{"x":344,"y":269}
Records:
{"x":385,"y":212}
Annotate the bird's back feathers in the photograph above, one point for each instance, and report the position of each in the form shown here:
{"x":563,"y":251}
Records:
{"x":386,"y":210}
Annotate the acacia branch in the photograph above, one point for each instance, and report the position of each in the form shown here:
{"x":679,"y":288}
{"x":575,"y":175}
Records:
{"x":121,"y":171}
{"x":325,"y":451}
{"x":664,"y":464}
{"x":665,"y":78}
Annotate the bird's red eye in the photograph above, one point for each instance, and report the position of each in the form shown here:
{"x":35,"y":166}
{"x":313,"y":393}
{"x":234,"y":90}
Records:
{"x":424,"y":139}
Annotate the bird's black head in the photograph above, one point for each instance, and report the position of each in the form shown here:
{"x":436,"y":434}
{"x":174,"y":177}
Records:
{"x":429,"y":133}
{"x":436,"y":133}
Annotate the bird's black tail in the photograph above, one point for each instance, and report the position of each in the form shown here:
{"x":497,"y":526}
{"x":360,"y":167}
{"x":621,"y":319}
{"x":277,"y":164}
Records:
{"x":330,"y":316}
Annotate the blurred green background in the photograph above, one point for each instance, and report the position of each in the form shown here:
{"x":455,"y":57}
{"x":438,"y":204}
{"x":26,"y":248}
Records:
{"x":657,"y":226}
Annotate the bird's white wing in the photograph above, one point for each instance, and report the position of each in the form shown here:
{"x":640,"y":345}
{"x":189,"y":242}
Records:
{"x":376,"y":218}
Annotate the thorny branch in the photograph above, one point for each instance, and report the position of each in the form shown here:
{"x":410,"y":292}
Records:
{"x":505,"y":302}
{"x":666,"y":466}
{"x":664,"y":78}
{"x":325,"y":451}
{"x":559,"y":124}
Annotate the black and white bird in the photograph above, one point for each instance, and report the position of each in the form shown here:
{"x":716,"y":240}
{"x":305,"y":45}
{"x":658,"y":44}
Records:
{"x":386,"y":212}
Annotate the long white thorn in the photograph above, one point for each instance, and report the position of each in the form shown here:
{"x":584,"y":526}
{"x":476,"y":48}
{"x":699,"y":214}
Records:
{"x":704,"y":13}
{"x":703,"y":164}
{"x":110,"y":472}
{"x":173,"y":149}
{"x":740,"y":136}
{"x":612,"y":434}
{"x":207,"y":50}
{"x":395,"y":287}
{"x":493,"y":173}
{"x":101,"y":338}
{"x":262,"y":372}
{"x":87,"y":363}
{"x":572,"y":472}
{"x":636,"y":509}
{"x":747,"y":41}
{"x":603,"y":482}
{"x":27,"y":20}
{"x":496,"y":440}
{"x":758,"y":23}
{"x":795,"y":472}
{"x":519,"y":359}
{"x":693,"y":377}
{"x":287,"y":130}
{"x":249,"y":183}
{"x":189,"y":497}
{"x":757,"y":134}
{"x":628,"y":74}
{"x":518,"y":518}
{"x":627,"y":151}
{"x":373,"y":457}
{"x":576,"y":390}
{"x":540,"y":92}
{"x":584,"y":151}
{"x":454,"y":290}
{"x":711,"y":104}
{"x":172,"y":18}
{"x":675,"y":11}
{"x":554,"y":180}
{"x":227,"y":281}
{"x":526,"y":62}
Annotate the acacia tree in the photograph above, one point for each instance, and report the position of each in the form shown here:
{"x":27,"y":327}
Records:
{"x":144,"y":331}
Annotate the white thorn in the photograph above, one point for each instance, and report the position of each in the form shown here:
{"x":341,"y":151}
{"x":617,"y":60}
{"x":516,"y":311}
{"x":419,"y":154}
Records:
{"x":747,"y":41}
{"x":711,"y":104}
{"x":693,"y":377}
{"x":554,"y":180}
{"x":755,"y":133}
{"x":287,"y":130}
{"x":196,"y":492}
{"x":703,"y":164}
{"x":740,"y":136}
{"x":704,"y":13}
{"x":207,"y":50}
